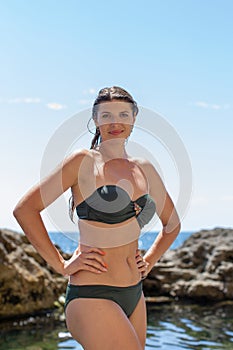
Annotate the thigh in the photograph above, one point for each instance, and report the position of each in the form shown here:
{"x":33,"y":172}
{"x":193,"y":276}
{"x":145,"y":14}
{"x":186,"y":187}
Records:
{"x":139,"y":321}
{"x":100,"y":324}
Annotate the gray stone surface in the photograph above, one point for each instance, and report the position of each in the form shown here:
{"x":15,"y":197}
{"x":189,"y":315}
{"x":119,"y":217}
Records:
{"x":27,"y":284}
{"x":201,"y":269}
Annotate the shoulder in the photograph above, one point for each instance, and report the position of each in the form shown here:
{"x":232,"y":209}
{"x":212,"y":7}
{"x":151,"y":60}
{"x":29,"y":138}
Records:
{"x":78,"y":156}
{"x":73,"y":162}
{"x":151,"y":173}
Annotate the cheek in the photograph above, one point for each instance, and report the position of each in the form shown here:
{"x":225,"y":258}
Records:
{"x":103,"y":128}
{"x":130,"y":125}
{"x":102,"y":123}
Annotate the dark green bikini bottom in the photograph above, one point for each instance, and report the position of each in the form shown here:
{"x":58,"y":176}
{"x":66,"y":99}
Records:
{"x":126,"y":297}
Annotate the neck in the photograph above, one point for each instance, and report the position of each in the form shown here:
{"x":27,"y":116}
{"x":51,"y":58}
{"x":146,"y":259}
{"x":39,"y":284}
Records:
{"x":114,"y":148}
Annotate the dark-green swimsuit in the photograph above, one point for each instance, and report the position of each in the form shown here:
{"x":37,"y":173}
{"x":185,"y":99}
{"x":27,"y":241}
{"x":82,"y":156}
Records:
{"x":111,"y":204}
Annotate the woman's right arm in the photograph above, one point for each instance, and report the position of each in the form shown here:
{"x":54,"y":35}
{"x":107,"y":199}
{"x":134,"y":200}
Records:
{"x":27,"y":213}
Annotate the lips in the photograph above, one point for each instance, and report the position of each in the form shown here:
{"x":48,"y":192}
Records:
{"x":115,"y":132}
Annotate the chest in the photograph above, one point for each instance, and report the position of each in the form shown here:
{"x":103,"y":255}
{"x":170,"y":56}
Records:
{"x":123,"y":173}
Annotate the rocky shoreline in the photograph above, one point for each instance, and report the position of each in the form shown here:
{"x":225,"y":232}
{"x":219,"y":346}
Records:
{"x":201,"y":270}
{"x":27,"y":284}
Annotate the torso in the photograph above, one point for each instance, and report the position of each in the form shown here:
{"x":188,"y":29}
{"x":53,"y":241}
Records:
{"x":120,"y":258}
{"x":94,"y":173}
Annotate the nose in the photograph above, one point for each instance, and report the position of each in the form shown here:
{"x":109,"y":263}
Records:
{"x":115,"y":119}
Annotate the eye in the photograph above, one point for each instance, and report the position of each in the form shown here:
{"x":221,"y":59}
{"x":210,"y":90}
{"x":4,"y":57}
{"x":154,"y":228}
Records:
{"x":105,"y":115}
{"x":124,"y":115}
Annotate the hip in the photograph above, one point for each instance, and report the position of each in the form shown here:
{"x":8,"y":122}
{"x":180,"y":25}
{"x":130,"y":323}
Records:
{"x":122,"y":274}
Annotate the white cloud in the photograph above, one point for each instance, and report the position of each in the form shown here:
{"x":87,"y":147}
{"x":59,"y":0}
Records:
{"x":24,"y":100}
{"x":87,"y":101}
{"x":201,"y":104}
{"x":90,"y":91}
{"x":213,"y":106}
{"x":35,"y":100}
{"x":55,"y":106}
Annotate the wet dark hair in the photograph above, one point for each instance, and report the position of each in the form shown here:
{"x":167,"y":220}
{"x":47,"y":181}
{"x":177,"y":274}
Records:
{"x":109,"y":94}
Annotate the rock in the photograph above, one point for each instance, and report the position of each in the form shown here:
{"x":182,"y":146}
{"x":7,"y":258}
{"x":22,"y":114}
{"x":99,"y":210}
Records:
{"x":201,"y":269}
{"x":27,"y":283}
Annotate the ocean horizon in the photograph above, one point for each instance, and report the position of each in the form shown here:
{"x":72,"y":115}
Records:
{"x":68,"y":242}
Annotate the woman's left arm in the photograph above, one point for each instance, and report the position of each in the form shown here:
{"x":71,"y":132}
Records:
{"x":166,"y":212}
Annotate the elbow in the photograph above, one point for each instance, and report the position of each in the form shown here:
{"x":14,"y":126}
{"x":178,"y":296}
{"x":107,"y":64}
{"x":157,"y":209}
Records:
{"x":174,"y":224}
{"x":173,"y":227}
{"x":24,"y":209}
{"x":17,"y":212}
{"x":21,"y":209}
{"x":178,"y":228}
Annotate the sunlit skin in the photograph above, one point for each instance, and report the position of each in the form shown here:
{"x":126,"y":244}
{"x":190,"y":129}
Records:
{"x":91,"y":321}
{"x":115,"y":120}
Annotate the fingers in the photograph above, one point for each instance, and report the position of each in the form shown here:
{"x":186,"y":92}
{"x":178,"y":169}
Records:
{"x":141,"y":264}
{"x":95,"y":261}
{"x":88,"y":260}
{"x":138,"y":253}
{"x":96,"y":250}
{"x":92,"y":266}
{"x":138,"y":257}
{"x":94,"y":257}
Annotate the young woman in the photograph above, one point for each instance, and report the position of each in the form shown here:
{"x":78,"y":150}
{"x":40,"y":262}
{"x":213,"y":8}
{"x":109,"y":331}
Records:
{"x":114,"y":196}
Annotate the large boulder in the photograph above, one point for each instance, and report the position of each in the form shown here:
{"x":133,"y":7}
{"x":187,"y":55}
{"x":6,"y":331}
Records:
{"x":27,"y":283}
{"x":201,"y":269}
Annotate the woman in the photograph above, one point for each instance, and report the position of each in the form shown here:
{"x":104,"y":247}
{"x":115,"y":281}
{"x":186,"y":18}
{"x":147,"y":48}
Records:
{"x":114,"y":196}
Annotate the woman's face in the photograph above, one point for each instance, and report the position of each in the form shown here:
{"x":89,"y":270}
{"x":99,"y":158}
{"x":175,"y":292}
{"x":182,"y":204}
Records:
{"x":115,"y":119}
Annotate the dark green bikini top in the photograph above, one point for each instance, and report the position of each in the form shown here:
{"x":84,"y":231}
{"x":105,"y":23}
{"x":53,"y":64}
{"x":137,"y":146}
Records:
{"x":111,"y":204}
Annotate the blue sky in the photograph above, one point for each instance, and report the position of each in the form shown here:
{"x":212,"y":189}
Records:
{"x":174,"y":57}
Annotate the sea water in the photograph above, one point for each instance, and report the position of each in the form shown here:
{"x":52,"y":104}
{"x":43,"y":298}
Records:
{"x":68,"y":242}
{"x":171,"y":326}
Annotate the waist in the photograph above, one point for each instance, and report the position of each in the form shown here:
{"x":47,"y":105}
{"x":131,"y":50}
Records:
{"x":121,"y":264}
{"x":101,"y":235}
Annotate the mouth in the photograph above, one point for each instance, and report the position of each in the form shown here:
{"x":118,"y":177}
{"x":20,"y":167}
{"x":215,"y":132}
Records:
{"x":115,"y":132}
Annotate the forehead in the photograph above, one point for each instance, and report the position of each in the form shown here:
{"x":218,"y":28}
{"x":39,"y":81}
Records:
{"x":115,"y":107}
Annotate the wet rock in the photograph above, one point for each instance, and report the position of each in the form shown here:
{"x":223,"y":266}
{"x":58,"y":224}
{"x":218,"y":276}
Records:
{"x":27,"y":283}
{"x":201,"y":269}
